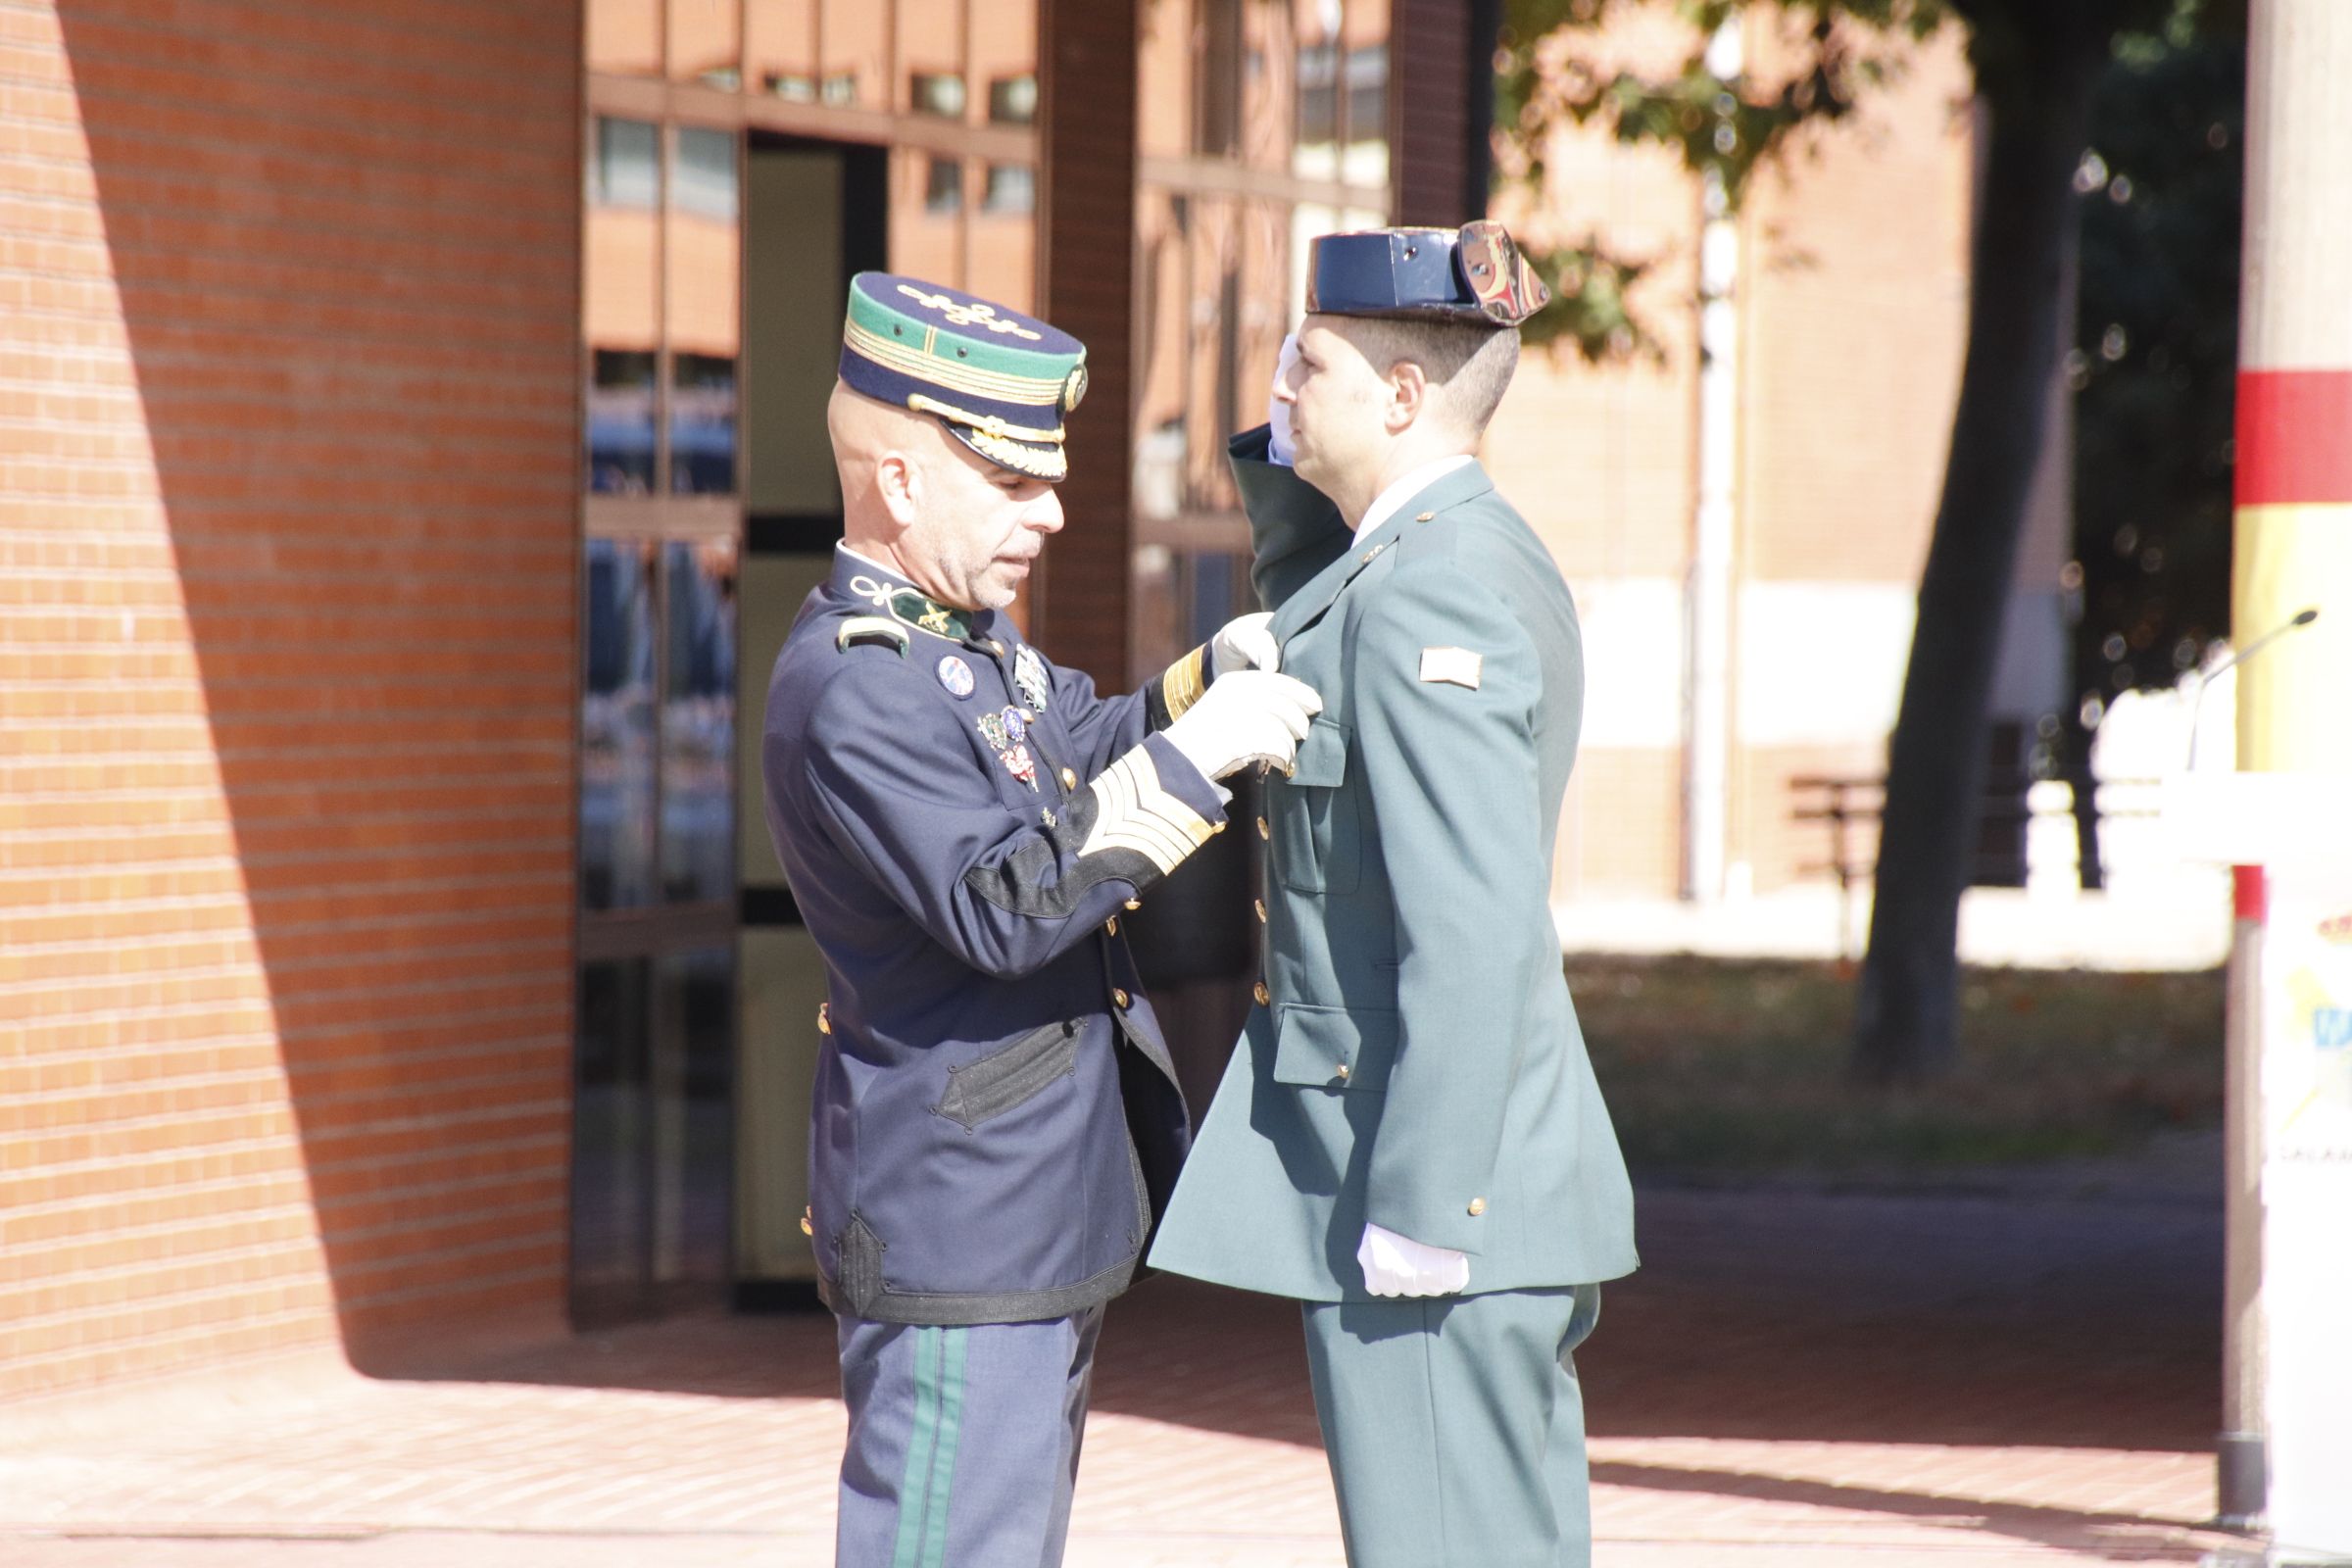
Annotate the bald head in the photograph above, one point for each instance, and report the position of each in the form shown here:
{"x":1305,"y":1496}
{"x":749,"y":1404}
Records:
{"x":866,"y":434}
{"x":915,"y":499}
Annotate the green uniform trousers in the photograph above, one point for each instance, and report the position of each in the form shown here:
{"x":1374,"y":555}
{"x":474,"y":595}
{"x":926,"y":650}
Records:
{"x":1456,"y":1427}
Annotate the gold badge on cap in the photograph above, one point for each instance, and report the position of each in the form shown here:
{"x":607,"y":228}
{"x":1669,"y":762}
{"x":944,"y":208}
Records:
{"x":1507,"y":287}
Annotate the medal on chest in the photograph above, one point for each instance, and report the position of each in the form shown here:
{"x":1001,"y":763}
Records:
{"x":1006,"y":732}
{"x":1029,"y":674}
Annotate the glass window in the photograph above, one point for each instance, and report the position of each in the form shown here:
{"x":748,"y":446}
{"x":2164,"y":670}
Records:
{"x":1365,"y":82}
{"x":703,"y":263}
{"x":704,"y":178}
{"x":690,"y":1135}
{"x":621,"y":423}
{"x":616,"y":727}
{"x":624,"y":37}
{"x":698,"y":722}
{"x":936,"y":93}
{"x":706,"y":42}
{"x":1011,"y":188}
{"x":627,"y":171}
{"x":1012,"y":100}
{"x":702,"y":425}
{"x":943,"y":186}
{"x":609,"y":1196}
{"x":779,"y":48}
{"x":652,"y":1133}
{"x":855,"y":34}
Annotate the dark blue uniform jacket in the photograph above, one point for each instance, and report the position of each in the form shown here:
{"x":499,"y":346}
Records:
{"x":995,"y":1121}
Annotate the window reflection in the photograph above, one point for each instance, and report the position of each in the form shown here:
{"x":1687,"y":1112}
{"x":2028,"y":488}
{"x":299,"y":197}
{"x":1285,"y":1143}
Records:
{"x":698,"y":722}
{"x":935,"y":93}
{"x":691,"y":1137}
{"x":1011,"y":188}
{"x":1012,"y":100}
{"x":943,"y":186}
{"x":621,"y":423}
{"x":609,"y":1191}
{"x":702,"y":425}
{"x":705,"y":183}
{"x":627,"y":166}
{"x":704,"y":256}
{"x":616,"y":727}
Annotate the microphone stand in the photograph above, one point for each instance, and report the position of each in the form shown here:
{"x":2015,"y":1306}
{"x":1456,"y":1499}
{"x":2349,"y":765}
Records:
{"x":2204,"y":682}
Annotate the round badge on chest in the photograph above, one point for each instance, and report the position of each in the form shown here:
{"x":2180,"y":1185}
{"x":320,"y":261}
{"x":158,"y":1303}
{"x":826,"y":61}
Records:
{"x":955,"y":675}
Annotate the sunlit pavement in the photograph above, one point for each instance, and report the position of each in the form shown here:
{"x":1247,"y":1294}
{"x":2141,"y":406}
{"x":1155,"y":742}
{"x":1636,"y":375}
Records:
{"x":1795,"y":1378}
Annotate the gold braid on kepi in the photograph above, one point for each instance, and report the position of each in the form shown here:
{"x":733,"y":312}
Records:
{"x":1000,"y":382}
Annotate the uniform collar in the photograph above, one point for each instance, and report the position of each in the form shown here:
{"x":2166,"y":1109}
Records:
{"x":1391,"y":501}
{"x":868,"y":582}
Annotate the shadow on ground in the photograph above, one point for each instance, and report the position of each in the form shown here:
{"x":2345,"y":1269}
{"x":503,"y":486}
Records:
{"x":1785,"y":1316}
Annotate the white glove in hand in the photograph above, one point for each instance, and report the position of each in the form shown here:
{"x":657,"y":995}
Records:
{"x":1246,"y":642}
{"x":1278,"y":407}
{"x":1252,"y":715}
{"x":1399,"y":1265}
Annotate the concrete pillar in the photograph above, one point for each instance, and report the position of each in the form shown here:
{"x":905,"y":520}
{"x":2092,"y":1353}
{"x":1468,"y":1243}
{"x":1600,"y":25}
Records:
{"x":2293,"y":550}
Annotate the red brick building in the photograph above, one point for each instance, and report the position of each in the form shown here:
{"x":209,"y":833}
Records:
{"x":407,"y":468}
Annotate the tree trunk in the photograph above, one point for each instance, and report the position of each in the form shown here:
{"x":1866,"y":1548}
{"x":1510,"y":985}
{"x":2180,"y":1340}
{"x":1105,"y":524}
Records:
{"x":2037,"y":106}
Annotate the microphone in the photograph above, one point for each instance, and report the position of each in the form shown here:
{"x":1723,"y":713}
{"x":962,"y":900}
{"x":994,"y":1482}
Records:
{"x":2205,"y":682}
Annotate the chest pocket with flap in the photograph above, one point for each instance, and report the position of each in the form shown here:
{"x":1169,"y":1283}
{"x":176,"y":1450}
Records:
{"x":1312,"y":815}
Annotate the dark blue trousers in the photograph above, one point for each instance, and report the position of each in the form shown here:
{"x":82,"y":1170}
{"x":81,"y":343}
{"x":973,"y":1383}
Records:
{"x":964,"y":1442}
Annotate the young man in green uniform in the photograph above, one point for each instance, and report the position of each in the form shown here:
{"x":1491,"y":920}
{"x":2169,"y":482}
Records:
{"x":1409,"y":1139}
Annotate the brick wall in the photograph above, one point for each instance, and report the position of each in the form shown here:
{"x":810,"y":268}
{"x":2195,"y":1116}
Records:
{"x":288,"y":322}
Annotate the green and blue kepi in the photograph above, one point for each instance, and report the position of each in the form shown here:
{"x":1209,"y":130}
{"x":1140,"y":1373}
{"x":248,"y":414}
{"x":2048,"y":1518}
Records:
{"x":1000,"y":382}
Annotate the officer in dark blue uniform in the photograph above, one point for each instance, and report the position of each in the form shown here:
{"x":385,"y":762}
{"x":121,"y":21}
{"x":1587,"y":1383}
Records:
{"x":995,"y":1121}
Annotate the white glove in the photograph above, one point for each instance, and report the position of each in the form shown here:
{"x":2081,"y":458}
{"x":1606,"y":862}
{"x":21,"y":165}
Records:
{"x":1244,"y":642}
{"x":1252,"y":715}
{"x":1399,"y":1265}
{"x":1278,"y":407}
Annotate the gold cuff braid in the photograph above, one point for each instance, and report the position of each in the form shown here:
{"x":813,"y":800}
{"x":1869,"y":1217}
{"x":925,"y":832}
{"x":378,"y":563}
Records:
{"x":1182,"y":684}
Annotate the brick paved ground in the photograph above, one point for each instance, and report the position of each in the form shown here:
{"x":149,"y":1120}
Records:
{"x":1795,"y":1379}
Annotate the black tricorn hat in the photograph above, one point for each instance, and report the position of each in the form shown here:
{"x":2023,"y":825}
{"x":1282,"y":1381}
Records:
{"x":1473,"y":274}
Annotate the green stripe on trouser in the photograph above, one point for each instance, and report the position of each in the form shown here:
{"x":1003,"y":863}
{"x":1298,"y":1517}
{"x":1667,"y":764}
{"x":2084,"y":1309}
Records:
{"x":931,"y":1448}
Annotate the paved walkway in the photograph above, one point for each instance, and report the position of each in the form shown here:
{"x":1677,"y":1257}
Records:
{"x":1795,"y":1380}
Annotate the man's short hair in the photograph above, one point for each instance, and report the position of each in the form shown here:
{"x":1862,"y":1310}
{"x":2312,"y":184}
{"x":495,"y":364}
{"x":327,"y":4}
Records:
{"x":1469,"y":362}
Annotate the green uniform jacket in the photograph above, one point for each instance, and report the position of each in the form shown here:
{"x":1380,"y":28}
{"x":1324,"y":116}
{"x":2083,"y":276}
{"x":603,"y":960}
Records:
{"x":1413,"y":1059}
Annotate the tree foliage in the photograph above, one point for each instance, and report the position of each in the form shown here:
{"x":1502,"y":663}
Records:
{"x":2035,"y":67}
{"x":2155,"y":354}
{"x":1720,"y":126}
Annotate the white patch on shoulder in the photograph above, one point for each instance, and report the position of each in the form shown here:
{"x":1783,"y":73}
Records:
{"x":1457,"y":664}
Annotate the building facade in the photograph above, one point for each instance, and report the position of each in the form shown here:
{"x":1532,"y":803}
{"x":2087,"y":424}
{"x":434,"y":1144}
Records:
{"x":411,"y":455}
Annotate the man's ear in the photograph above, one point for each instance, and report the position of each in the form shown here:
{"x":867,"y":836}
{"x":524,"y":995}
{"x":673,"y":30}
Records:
{"x":898,"y":482}
{"x":1408,"y":396}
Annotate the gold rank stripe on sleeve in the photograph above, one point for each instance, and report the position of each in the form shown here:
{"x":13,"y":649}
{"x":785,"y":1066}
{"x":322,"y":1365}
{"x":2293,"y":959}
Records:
{"x":1182,"y":684}
{"x":1134,"y":812}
